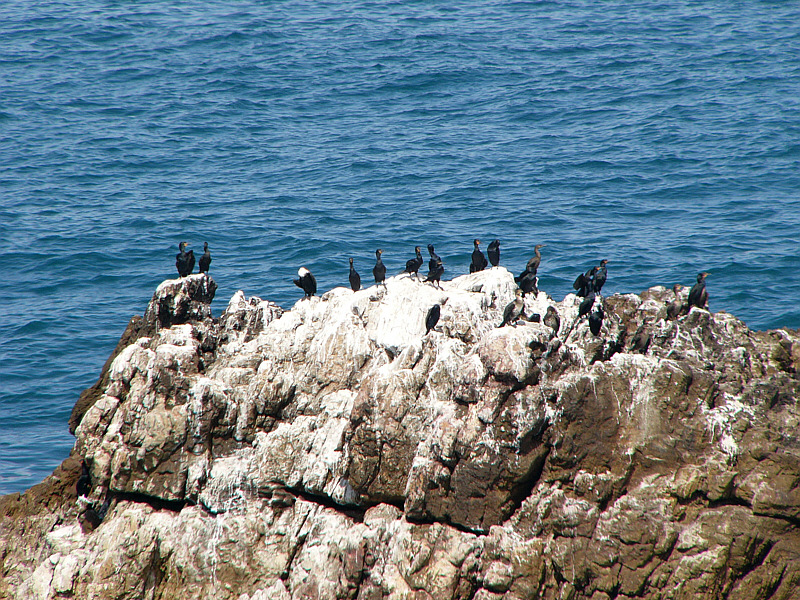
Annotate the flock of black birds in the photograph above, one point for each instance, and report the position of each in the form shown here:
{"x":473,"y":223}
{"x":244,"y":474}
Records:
{"x":587,"y":285}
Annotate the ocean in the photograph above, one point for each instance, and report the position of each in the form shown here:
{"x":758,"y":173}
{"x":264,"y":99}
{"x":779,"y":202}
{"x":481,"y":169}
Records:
{"x":664,"y":137}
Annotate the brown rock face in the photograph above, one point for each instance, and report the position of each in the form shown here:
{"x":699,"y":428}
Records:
{"x":338,"y":451}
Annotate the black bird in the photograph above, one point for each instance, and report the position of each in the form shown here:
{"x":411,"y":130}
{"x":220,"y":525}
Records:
{"x":528,"y":283}
{"x":584,"y":284}
{"x":586,"y":305}
{"x":413,"y":265}
{"x":205,"y":259}
{"x":552,"y":320}
{"x":435,"y":272}
{"x":306,"y":281}
{"x":640,"y":341}
{"x":514,"y":310}
{"x":596,"y":320}
{"x":435,"y":267}
{"x":698,"y":296}
{"x":432,"y":318}
{"x":493,"y":250}
{"x":84,"y":485}
{"x":379,"y":270}
{"x":536,"y":259}
{"x":479,"y":262}
{"x":355,"y":278}
{"x":434,"y":257}
{"x":184,"y":261}
{"x":600,"y":276}
{"x":675,"y":308}
{"x":527,"y":280}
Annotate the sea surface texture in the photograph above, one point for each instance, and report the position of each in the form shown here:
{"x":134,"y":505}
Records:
{"x":664,"y":137}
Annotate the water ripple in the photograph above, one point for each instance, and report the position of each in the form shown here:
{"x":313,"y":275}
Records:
{"x":661,"y":137}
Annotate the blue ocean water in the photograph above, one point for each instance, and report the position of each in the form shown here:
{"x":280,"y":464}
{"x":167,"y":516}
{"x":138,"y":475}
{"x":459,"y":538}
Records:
{"x":664,"y":137}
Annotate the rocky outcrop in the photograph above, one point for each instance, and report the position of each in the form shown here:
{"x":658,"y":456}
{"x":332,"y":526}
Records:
{"x":337,"y":451}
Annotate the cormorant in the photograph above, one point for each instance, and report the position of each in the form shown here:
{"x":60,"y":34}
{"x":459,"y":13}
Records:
{"x":527,"y":283}
{"x":586,"y":305}
{"x":435,"y":272}
{"x":434,"y":257}
{"x":514,"y":310}
{"x":600,"y":276}
{"x":584,"y":284}
{"x":640,"y":341}
{"x":84,"y":485}
{"x":413,"y":265}
{"x":698,"y":296}
{"x":675,"y":308}
{"x":479,"y":262}
{"x":435,"y":267}
{"x":596,"y":320}
{"x":306,"y":281}
{"x":184,"y":261}
{"x":432,"y":318}
{"x":527,"y":280}
{"x":533,"y":263}
{"x":355,"y":278}
{"x":552,"y":320}
{"x":205,"y":259}
{"x":493,"y":250}
{"x":379,"y":270}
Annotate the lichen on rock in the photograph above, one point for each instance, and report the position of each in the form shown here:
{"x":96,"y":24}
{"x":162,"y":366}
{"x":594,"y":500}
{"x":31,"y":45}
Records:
{"x":336,"y":450}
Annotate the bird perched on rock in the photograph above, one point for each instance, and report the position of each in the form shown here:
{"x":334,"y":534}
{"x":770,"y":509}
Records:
{"x":600,"y":276}
{"x":586,"y":305}
{"x":584,"y":284}
{"x":527,"y":283}
{"x":435,"y":272}
{"x":379,"y":270}
{"x":640,"y":340}
{"x":84,"y":485}
{"x":434,"y":257}
{"x":493,"y":250}
{"x":675,"y":308}
{"x":435,"y":267}
{"x":698,"y":296}
{"x":514,"y":310}
{"x":596,"y":320}
{"x":479,"y":262}
{"x":528,"y":280}
{"x":205,"y":259}
{"x":184,"y":260}
{"x":534,"y":262}
{"x":355,"y":278}
{"x":551,"y":319}
{"x":432,"y":318}
{"x":413,"y":265}
{"x":306,"y":281}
